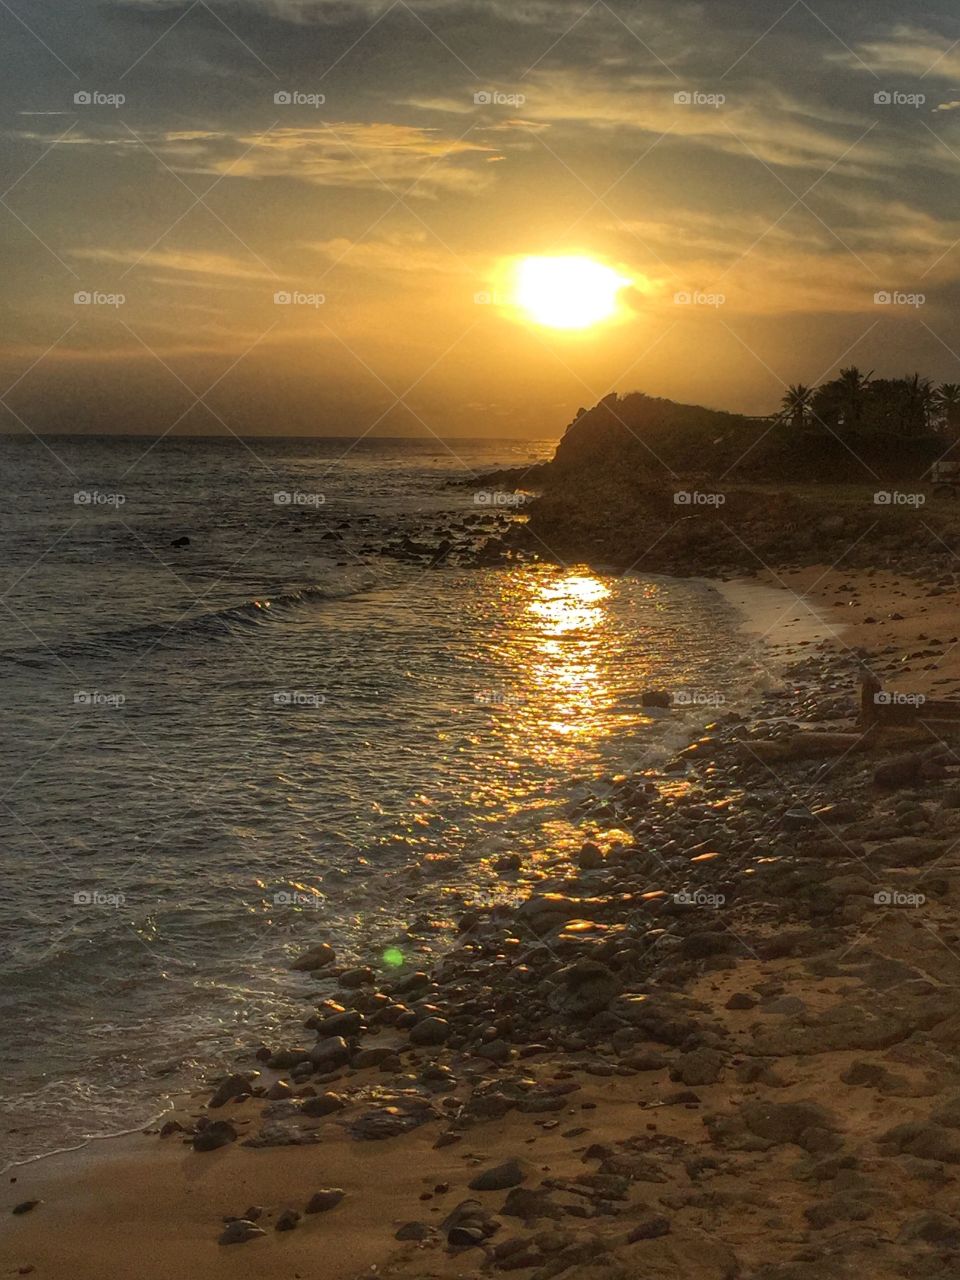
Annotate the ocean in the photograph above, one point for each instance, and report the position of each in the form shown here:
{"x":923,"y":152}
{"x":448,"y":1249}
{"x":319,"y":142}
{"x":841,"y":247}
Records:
{"x":291,"y":728}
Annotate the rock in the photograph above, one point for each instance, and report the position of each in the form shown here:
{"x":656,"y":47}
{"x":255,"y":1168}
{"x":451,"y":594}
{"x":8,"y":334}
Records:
{"x":327,"y":1055}
{"x":324,"y":1104}
{"x":375,"y":1056}
{"x":701,"y":1066}
{"x":216,"y":1134}
{"x":499,"y":1178}
{"x":240,"y":1231}
{"x":360,"y":977}
{"x":698,"y":946}
{"x":286,"y":1220}
{"x":182,"y":541}
{"x":656,"y":698}
{"x":318,"y":957}
{"x":779,"y":1123}
{"x":590,"y":858}
{"x":741,"y":1000}
{"x":934,"y":1229}
{"x":584,"y":988}
{"x":430,"y":1031}
{"x":649,"y":1228}
{"x":413,"y":1231}
{"x":326,"y":1198}
{"x":512,"y":862}
{"x":234,"y":1086}
{"x":25,"y":1206}
{"x":347,"y":1023}
{"x":530,"y":1205}
{"x":905,"y":771}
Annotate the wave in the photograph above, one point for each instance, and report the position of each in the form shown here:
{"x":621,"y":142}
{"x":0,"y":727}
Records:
{"x":215,"y":624}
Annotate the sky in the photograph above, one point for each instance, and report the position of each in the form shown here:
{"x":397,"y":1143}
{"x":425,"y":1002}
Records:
{"x":298,"y":216}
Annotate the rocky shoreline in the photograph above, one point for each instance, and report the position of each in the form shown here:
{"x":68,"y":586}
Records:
{"x":723,"y":1044}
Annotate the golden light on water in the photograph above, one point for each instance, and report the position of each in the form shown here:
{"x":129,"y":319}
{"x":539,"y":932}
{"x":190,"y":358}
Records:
{"x":572,"y":292}
{"x":570,"y":617}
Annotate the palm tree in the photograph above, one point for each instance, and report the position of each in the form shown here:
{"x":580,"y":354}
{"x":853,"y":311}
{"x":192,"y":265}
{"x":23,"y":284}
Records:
{"x":852,"y":387}
{"x":947,"y":399}
{"x":796,"y":404}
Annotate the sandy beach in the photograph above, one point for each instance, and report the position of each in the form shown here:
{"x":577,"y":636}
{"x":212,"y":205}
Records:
{"x":670,"y":1115}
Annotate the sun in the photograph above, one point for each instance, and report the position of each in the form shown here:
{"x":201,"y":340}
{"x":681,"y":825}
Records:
{"x":567,"y":293}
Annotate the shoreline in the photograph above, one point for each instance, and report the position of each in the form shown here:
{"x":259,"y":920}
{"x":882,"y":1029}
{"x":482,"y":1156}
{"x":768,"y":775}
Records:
{"x":604,"y":1075}
{"x":762,"y":617}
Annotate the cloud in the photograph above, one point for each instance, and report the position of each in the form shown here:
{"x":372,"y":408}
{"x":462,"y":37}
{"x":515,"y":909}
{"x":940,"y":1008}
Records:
{"x":219,"y":266}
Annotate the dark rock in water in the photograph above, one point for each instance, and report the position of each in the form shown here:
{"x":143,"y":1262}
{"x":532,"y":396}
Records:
{"x":216,"y":1134}
{"x":317,"y":957}
{"x":182,"y":541}
{"x":656,"y":698}
{"x":25,"y":1206}
{"x":327,"y":1055}
{"x":240,"y":1232}
{"x":234,"y":1086}
{"x":499,"y":1178}
{"x":287,"y":1220}
{"x":590,"y":858}
{"x":324,"y":1199}
{"x":413,"y":1231}
{"x":360,"y":977}
{"x":430,"y":1031}
{"x":324,"y":1104}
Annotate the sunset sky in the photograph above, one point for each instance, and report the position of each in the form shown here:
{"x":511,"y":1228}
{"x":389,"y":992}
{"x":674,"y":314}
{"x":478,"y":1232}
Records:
{"x":745,"y":155}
